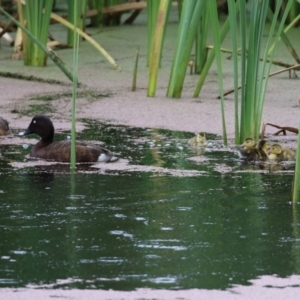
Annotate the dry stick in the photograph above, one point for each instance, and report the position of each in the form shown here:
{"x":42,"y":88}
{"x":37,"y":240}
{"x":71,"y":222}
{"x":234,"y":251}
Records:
{"x":283,"y":129}
{"x":7,"y":27}
{"x":295,"y":67}
{"x":86,"y":37}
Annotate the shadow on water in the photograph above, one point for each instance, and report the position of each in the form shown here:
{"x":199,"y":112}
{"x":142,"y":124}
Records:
{"x":123,"y":230}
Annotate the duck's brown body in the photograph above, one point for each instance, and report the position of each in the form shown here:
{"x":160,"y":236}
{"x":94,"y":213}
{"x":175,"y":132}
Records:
{"x":60,"y":151}
{"x":4,"y":128}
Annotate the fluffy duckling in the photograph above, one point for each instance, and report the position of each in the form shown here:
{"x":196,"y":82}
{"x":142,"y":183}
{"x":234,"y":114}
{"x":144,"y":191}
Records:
{"x":278,"y":153}
{"x":248,"y":146}
{"x":249,"y":150}
{"x":263,"y":147}
{"x":4,"y":128}
{"x":198,"y":140}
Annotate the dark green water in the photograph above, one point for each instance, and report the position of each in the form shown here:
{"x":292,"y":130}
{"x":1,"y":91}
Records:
{"x":126,"y":230}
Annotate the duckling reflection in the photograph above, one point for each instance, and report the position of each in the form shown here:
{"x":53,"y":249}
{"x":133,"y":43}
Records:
{"x":199,"y":140}
{"x":278,"y":153}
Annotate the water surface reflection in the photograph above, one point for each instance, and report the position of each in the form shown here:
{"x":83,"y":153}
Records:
{"x":127,"y":230}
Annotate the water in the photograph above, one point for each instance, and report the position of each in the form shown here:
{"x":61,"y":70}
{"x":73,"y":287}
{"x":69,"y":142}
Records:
{"x":131,"y":229}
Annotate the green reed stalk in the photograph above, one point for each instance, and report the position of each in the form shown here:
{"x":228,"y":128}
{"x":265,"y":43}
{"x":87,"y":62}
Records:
{"x":201,"y":41}
{"x":157,"y":45}
{"x":97,"y":20}
{"x":152,"y":11}
{"x":74,"y":90}
{"x":133,"y":87}
{"x":189,"y":23}
{"x":79,"y":18}
{"x":224,"y":30}
{"x":234,"y":34}
{"x":36,"y":19}
{"x":284,"y":37}
{"x":212,"y":8}
{"x":252,"y":74}
{"x":275,"y":31}
{"x":43,"y":47}
{"x":296,"y":183}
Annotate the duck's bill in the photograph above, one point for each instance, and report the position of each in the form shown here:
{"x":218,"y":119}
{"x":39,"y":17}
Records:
{"x":27,"y":131}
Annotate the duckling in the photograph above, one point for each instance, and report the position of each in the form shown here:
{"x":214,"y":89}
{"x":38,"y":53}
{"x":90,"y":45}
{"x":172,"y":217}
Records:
{"x":4,"y":128}
{"x":263,"y":147}
{"x":249,"y":151}
{"x":198,"y":140}
{"x":248,"y":147}
{"x":278,"y":153}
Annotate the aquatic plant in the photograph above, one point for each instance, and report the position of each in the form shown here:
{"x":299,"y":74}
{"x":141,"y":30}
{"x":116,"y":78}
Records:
{"x":254,"y":71}
{"x":78,"y":18}
{"x":74,"y":88}
{"x":157,"y":44}
{"x":35,"y":16}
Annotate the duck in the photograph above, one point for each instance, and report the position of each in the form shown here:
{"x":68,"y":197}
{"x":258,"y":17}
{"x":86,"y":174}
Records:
{"x":277,"y":152}
{"x":4,"y":128}
{"x":198,"y":140}
{"x":251,"y":151}
{"x":60,"y":151}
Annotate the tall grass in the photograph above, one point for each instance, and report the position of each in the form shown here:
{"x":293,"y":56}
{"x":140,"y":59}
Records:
{"x":35,"y":16}
{"x":78,"y":18}
{"x":74,"y":90}
{"x":189,"y":23}
{"x":213,"y":13}
{"x":157,"y":45}
{"x":42,"y":47}
{"x":201,"y":50}
{"x":296,"y":183}
{"x":253,"y":74}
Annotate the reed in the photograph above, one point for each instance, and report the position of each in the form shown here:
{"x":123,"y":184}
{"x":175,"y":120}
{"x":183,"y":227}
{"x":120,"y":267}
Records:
{"x":78,"y":18}
{"x":152,"y":11}
{"x":43,"y":47}
{"x":133,"y":87}
{"x":213,"y":13}
{"x":189,"y":23}
{"x":201,"y":50}
{"x":296,"y":182}
{"x":252,"y":73}
{"x":35,"y":16}
{"x":157,"y":45}
{"x":74,"y":89}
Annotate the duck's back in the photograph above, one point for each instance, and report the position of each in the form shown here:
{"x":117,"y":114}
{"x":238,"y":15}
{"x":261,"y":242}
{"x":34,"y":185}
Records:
{"x":61,"y":151}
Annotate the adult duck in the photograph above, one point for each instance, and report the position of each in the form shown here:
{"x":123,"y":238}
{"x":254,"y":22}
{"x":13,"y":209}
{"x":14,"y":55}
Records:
{"x":61,"y":150}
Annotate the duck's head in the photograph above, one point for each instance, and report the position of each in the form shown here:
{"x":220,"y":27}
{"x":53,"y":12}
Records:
{"x":275,"y":149}
{"x":201,"y":137}
{"x":248,"y":143}
{"x":263,"y":145}
{"x":42,"y":126}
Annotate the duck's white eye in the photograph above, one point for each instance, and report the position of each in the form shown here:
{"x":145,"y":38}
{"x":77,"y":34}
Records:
{"x":34,"y":121}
